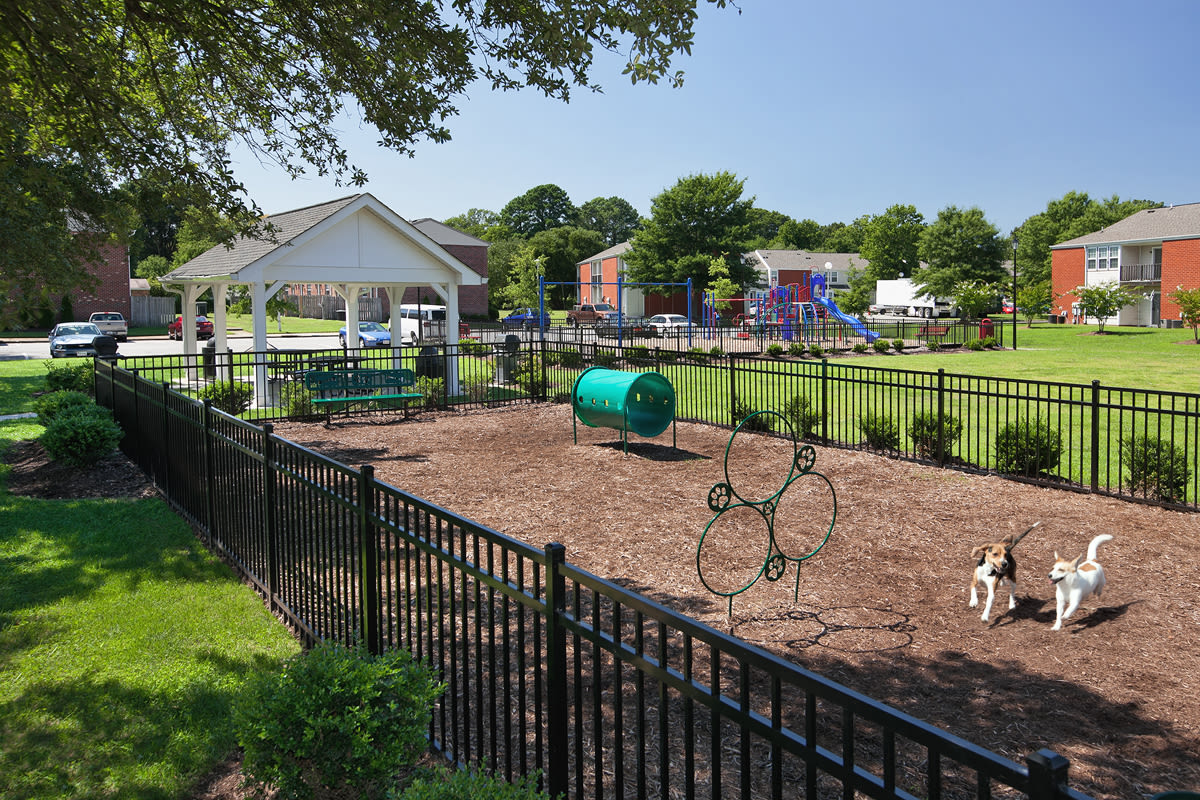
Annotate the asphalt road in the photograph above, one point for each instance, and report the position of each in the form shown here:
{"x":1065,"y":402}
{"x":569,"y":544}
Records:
{"x":17,"y":349}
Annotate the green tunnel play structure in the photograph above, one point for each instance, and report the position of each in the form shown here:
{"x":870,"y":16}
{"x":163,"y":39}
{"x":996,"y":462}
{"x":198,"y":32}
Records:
{"x":642,"y":402}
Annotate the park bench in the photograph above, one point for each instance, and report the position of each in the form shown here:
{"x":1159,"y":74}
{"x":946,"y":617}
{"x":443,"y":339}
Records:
{"x":932,"y":331}
{"x":382,"y":388}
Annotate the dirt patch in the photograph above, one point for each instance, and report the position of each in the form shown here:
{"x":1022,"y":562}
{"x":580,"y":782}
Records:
{"x":35,"y":474}
{"x":883,"y":605}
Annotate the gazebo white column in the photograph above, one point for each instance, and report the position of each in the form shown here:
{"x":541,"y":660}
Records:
{"x":349,"y":293}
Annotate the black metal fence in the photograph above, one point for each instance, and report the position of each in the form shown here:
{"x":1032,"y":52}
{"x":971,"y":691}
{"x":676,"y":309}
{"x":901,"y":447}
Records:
{"x":1136,"y":444}
{"x":547,"y":667}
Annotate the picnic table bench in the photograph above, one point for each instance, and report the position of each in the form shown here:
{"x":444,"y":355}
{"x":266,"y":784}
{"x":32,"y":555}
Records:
{"x":346,"y":387}
{"x":933,"y":330}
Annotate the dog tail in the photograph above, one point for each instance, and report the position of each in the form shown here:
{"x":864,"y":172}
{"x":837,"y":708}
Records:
{"x":1095,"y":545}
{"x":1026,"y":533}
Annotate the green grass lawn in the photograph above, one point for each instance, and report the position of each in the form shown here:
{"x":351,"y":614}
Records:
{"x":123,"y":642}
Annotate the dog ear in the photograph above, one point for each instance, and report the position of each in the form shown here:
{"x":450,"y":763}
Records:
{"x":1056,"y":558}
{"x":1076,"y":562}
{"x":979,"y":551}
{"x":1007,"y":541}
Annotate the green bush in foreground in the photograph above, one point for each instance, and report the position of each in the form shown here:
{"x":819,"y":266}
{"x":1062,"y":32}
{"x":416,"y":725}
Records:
{"x":337,"y":722}
{"x":77,"y":376}
{"x":51,"y":405}
{"x":881,"y":345}
{"x":923,"y":430}
{"x":898,"y":345}
{"x":232,"y":397}
{"x":81,"y":435}
{"x":1028,"y":447}
{"x":800,"y":413}
{"x":1158,"y":469}
{"x":880,"y":431}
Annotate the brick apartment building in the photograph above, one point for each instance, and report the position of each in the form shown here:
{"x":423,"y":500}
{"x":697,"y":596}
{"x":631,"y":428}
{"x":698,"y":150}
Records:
{"x":1153,"y":252}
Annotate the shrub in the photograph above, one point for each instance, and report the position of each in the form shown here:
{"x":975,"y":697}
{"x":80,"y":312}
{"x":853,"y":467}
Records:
{"x":1028,"y":447}
{"x":898,"y":345}
{"x":975,"y":345}
{"x":761,"y":423}
{"x":698,"y":355}
{"x":531,"y":376}
{"x":81,"y":435}
{"x":297,"y":401}
{"x":880,"y":431}
{"x":1158,"y":469}
{"x":639,"y":354}
{"x":990,"y":342}
{"x":605,"y":358}
{"x":816,"y":351}
{"x":923,"y":430}
{"x":465,"y":784}
{"x":797,"y":349}
{"x":775,"y":349}
{"x":716,"y":350}
{"x":49,"y":406}
{"x":932,"y":344}
{"x":75,"y":377}
{"x":473,"y":347}
{"x":232,"y":397}
{"x":571,"y":358}
{"x":336,"y":721}
{"x":431,"y":391}
{"x":859,"y":347}
{"x":804,"y":418}
{"x":881,"y":345}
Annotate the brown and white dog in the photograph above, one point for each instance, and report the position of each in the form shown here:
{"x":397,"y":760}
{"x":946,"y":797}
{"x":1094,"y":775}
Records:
{"x":1075,"y":580}
{"x":996,"y":564}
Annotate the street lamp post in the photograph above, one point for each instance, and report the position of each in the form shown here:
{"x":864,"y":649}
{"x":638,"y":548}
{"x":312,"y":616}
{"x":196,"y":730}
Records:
{"x":1014,"y":299}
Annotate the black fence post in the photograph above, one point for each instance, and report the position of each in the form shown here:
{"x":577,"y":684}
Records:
{"x":1095,"y":465}
{"x":1047,"y":774}
{"x":165,"y":433}
{"x":368,"y":542}
{"x":556,"y":672}
{"x":825,"y":400}
{"x":208,"y":529}
{"x":941,"y":412}
{"x":732,"y":389}
{"x":270,"y":528}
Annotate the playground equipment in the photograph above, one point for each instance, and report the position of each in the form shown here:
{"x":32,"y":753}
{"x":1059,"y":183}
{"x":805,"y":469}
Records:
{"x":796,"y":309}
{"x":720,"y":501}
{"x":642,"y":402}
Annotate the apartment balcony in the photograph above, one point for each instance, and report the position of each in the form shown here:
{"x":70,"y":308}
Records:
{"x":1141,"y":273}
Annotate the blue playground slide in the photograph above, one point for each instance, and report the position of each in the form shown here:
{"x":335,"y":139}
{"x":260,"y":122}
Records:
{"x":837,"y":314}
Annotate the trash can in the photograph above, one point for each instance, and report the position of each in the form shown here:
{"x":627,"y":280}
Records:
{"x":429,"y":363}
{"x":208,"y":358}
{"x":986,"y":328}
{"x":506,"y":358}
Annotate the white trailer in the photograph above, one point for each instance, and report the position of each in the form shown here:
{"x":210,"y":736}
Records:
{"x":900,"y":297}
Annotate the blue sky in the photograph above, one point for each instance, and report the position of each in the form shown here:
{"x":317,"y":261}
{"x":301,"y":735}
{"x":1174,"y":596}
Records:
{"x":830,"y":111}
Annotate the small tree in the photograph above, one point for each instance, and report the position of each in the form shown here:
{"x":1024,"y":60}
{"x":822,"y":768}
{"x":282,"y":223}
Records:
{"x":1188,"y":301}
{"x":1103,"y":301}
{"x":524,"y":271}
{"x":720,"y":284}
{"x":974,"y":297}
{"x":1035,"y":300}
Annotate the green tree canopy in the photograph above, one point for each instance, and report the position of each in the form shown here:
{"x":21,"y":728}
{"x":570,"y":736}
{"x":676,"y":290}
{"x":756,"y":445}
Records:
{"x":805,"y":234}
{"x":764,"y":227}
{"x":697,"y":219}
{"x":839,"y":237}
{"x":475,"y":222}
{"x":960,"y":245}
{"x":612,"y":217}
{"x":1188,"y":301}
{"x":540,"y":209}
{"x":1035,"y":300}
{"x":525,"y":269}
{"x":891,"y":241}
{"x":128,"y":88}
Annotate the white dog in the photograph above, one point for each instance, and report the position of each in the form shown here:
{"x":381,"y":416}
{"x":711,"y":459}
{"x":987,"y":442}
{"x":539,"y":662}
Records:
{"x":1075,"y":580}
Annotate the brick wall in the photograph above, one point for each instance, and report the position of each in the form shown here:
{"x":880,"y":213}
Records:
{"x":1067,"y":269}
{"x":112,"y":291}
{"x":472,"y":300}
{"x":1180,"y":267}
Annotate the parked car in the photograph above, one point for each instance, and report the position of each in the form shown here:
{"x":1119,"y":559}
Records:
{"x":526,"y":318}
{"x":82,"y":339}
{"x":1007,"y":307}
{"x":591,"y":314}
{"x":669,"y":325}
{"x":635,"y":326}
{"x":204,"y":328}
{"x":111,"y":323}
{"x":370,"y":334}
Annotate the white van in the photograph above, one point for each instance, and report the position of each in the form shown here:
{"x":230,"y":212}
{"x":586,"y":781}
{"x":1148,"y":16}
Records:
{"x":414,"y":323}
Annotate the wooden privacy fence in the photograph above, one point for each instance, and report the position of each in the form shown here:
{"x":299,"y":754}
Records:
{"x":547,"y":667}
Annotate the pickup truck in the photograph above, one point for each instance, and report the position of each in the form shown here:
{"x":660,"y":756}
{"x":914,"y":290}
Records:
{"x":591,"y":313}
{"x":111,"y":323}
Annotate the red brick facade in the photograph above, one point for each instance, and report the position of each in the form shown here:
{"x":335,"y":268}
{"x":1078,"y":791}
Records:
{"x":112,"y":290}
{"x":1180,"y":267}
{"x":1067,"y":268}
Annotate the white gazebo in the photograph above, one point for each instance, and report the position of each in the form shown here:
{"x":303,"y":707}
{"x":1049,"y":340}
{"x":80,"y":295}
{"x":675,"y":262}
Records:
{"x":349,"y":244}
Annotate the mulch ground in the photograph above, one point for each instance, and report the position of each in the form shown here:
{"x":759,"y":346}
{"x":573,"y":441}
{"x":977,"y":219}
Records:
{"x":882,"y":606}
